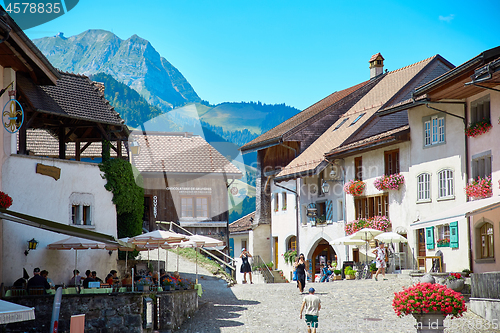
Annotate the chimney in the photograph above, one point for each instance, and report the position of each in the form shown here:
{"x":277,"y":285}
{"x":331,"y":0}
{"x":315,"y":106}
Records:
{"x":376,"y":65}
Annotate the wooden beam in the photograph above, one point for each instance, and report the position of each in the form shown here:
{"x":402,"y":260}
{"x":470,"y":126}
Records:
{"x":119,"y":148}
{"x":77,"y":150}
{"x":62,"y":143}
{"x":103,"y":132}
{"x":32,"y":118}
{"x":22,"y":140}
{"x":85,"y":147}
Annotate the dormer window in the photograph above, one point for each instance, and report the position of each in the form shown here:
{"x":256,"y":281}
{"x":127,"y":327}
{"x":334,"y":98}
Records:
{"x":357,"y":118}
{"x":342,"y":123}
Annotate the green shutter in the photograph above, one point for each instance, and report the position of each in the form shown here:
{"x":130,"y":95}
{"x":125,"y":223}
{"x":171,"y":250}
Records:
{"x":454,"y":234}
{"x":429,"y":237}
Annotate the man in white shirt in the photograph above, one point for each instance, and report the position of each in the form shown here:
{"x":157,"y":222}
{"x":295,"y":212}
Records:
{"x":312,"y":304}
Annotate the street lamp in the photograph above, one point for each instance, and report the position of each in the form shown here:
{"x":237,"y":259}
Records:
{"x":31,"y":246}
{"x":135,"y":149}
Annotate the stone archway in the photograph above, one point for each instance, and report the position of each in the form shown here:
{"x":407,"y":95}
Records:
{"x":323,"y":251}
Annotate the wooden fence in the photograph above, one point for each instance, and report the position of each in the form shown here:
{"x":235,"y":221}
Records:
{"x":485,"y":285}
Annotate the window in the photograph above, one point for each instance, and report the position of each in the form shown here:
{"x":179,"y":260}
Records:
{"x":486,"y":241}
{"x":340,"y":125}
{"x":480,"y":109}
{"x":81,"y":208}
{"x":194,"y":207}
{"x":372,"y":206}
{"x":423,"y":187}
{"x":446,"y":183}
{"x":434,"y":130}
{"x":276,"y":202}
{"x":357,"y":118}
{"x":244,"y":244}
{"x":391,"y":162}
{"x":321,"y":179}
{"x":481,"y":165}
{"x":358,"y":168}
{"x":443,"y":235}
{"x":283,"y":200}
{"x":292,"y":244}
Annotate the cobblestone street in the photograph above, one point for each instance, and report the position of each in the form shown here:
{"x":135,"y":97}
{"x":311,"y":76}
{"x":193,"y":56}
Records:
{"x":347,"y":306}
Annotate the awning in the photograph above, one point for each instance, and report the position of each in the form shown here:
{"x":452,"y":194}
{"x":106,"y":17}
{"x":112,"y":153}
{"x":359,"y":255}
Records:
{"x":57,"y":227}
{"x":451,"y":215}
{"x":12,"y":312}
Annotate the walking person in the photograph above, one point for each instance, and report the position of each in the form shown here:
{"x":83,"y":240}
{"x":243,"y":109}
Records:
{"x":245,"y":265}
{"x":381,"y":253}
{"x":301,"y":267}
{"x":312,"y":304}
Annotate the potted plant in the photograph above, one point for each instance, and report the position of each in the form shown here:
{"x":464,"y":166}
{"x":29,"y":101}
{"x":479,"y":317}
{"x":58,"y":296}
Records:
{"x":354,"y":187}
{"x":143,"y":284}
{"x":455,"y":281}
{"x":168,"y":284}
{"x":466,"y":272}
{"x":349,"y":273}
{"x":429,"y":303}
{"x":390,"y":182}
{"x":373,"y":268}
{"x":444,"y":242}
{"x":5,"y":200}
{"x":478,"y":128}
{"x":337,"y":274}
{"x":290,"y":256}
{"x":480,"y":188}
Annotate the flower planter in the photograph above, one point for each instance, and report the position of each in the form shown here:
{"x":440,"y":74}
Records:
{"x":337,"y":277}
{"x":166,"y":288}
{"x":350,"y":277}
{"x":456,"y":285}
{"x":429,"y":322}
{"x":141,"y":287}
{"x":390,"y":182}
{"x":443,"y":245}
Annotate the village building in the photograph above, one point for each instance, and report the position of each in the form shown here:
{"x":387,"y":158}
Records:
{"x":357,"y":125}
{"x":185,"y":181}
{"x":240,"y":233}
{"x":278,"y":207}
{"x":53,"y":198}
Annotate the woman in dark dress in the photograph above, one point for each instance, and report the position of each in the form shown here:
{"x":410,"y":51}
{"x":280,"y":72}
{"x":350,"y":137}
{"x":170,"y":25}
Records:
{"x":301,"y":268}
{"x":245,"y":265}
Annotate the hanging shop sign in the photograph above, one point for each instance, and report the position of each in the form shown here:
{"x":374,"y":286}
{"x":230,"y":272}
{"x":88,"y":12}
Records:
{"x":12,"y":114}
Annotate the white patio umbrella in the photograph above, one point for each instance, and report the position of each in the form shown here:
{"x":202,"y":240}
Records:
{"x":347,"y":240}
{"x":76,"y":243}
{"x":366,"y":234}
{"x":124,"y":245}
{"x":158,"y":238}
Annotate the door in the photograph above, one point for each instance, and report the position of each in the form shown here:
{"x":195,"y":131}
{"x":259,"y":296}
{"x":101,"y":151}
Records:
{"x":275,"y":252}
{"x":355,"y":255}
{"x":421,"y":246}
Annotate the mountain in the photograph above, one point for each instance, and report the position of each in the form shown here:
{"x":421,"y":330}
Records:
{"x":133,"y":62}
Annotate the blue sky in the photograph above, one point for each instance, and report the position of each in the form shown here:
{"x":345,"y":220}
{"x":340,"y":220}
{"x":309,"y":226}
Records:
{"x":292,"y":52}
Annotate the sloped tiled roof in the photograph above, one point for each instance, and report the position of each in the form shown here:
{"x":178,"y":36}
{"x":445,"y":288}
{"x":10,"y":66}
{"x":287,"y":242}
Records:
{"x":74,"y":96}
{"x":242,"y":224}
{"x":40,"y":142}
{"x":274,"y":134}
{"x":387,"y":91}
{"x":375,"y":56}
{"x":179,"y":153}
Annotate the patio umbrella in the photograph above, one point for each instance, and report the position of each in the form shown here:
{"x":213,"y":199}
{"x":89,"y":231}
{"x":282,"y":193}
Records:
{"x":347,"y":240}
{"x":366,"y":234}
{"x":158,"y":238}
{"x":124,"y":245}
{"x":76,"y":243}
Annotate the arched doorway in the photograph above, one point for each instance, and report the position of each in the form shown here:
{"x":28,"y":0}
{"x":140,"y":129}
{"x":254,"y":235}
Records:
{"x":321,"y":254}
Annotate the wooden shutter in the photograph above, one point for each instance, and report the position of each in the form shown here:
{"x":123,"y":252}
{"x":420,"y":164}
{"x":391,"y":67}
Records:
{"x":329,"y":211}
{"x":454,"y":234}
{"x":429,"y":237}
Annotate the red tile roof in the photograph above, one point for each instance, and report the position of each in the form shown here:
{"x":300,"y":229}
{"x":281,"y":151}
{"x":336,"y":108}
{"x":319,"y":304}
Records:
{"x":242,"y":224}
{"x":375,"y":56}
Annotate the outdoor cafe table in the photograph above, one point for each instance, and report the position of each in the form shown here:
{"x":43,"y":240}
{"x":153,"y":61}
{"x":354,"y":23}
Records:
{"x":431,"y":257}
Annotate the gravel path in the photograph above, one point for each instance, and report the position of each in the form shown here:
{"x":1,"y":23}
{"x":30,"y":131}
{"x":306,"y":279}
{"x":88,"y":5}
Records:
{"x":347,"y":306}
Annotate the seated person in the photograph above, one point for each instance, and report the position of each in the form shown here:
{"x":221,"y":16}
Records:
{"x":94,"y":276}
{"x":127,"y":280}
{"x":112,"y":278}
{"x":45,"y":274}
{"x":164,"y":276}
{"x":176,"y":276}
{"x":88,"y":278}
{"x":76,"y":279}
{"x":38,"y":281}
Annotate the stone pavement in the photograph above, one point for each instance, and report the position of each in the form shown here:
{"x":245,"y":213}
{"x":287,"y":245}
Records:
{"x":347,"y":306}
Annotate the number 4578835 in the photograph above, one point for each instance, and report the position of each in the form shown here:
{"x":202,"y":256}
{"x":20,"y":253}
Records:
{"x":33,"y":8}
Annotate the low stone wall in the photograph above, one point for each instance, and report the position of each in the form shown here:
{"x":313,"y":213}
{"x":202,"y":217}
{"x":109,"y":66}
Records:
{"x":485,"y":298}
{"x":110,"y":313}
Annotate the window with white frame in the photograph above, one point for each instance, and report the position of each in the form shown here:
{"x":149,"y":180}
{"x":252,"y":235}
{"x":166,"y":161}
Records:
{"x":276,"y":202}
{"x":424,"y":187}
{"x":446,"y":184}
{"x":434,"y":130}
{"x":443,"y":235}
{"x":81,"y":209}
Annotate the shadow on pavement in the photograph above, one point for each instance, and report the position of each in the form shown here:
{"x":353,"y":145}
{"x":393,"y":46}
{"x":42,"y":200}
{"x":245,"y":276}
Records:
{"x":218,"y":307}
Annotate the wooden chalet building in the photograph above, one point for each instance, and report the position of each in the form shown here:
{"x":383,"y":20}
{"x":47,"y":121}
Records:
{"x":185,"y":181}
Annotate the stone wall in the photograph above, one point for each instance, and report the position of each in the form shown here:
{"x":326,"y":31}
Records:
{"x":108,"y":313}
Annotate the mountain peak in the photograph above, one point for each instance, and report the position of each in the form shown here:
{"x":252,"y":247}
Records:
{"x":133,"y":62}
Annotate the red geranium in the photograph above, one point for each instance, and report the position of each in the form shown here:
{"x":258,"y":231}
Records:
{"x":5,"y":200}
